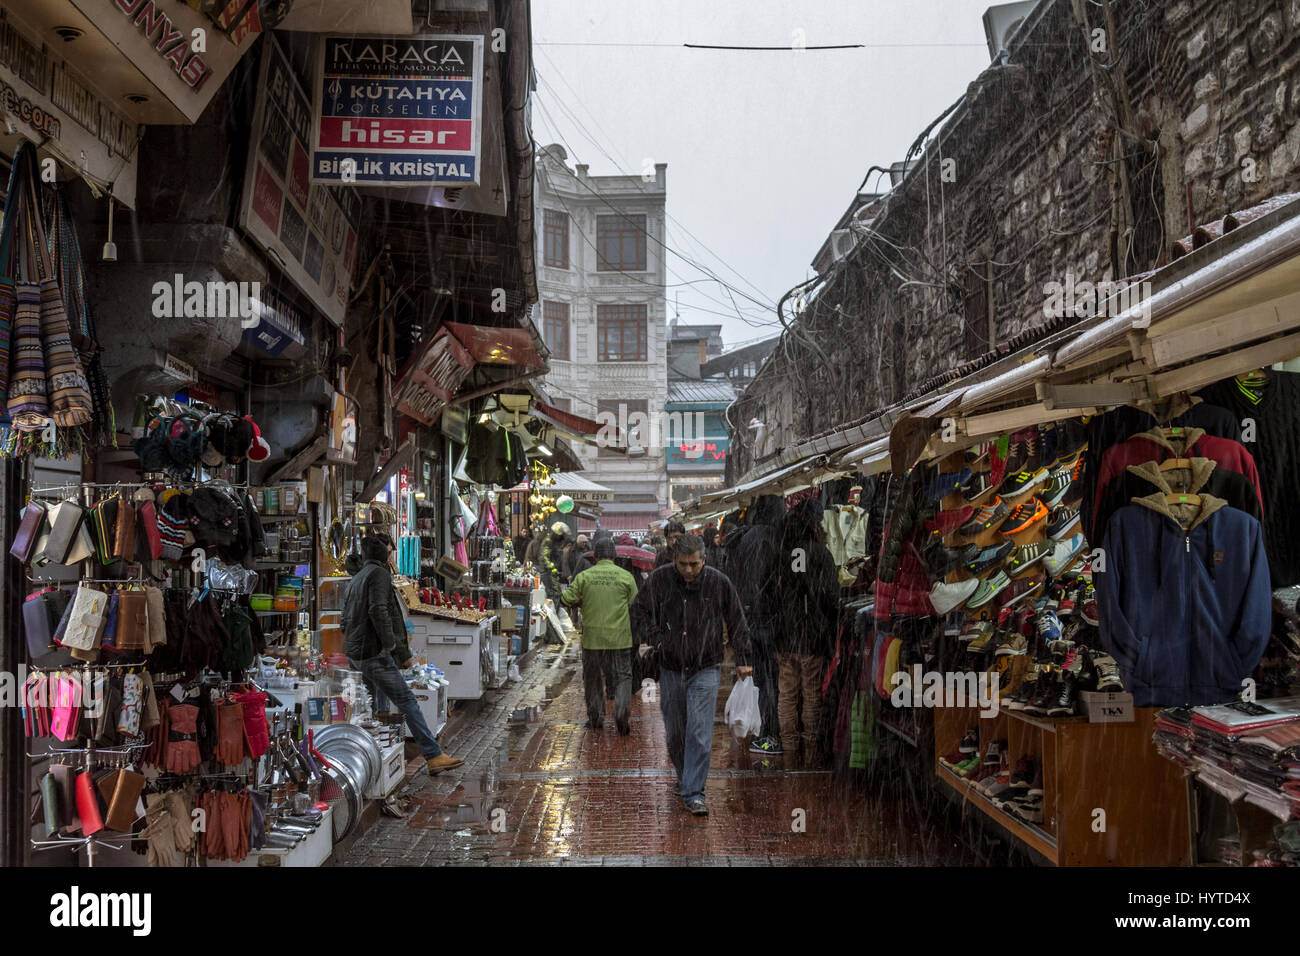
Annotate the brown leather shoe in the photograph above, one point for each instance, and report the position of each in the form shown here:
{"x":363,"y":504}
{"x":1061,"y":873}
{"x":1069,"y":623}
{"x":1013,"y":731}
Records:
{"x":442,"y":762}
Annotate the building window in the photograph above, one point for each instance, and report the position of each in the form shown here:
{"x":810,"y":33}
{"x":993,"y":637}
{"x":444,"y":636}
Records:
{"x":620,"y":243}
{"x":621,"y":333}
{"x":555,"y":232}
{"x":555,"y":329}
{"x":631,"y":415}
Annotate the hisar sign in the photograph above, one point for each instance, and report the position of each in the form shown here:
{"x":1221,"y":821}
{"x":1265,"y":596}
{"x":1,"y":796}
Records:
{"x":398,"y":111}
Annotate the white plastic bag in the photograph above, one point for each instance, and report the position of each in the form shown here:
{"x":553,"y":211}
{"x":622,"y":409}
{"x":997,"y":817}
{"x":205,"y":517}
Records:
{"x":742,"y":713}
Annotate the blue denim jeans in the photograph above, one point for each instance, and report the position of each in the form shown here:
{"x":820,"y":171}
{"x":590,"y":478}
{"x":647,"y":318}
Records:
{"x":688,"y":705}
{"x":385,"y":683}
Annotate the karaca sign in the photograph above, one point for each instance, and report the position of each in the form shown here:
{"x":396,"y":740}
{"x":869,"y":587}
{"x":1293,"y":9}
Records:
{"x":398,"y":111}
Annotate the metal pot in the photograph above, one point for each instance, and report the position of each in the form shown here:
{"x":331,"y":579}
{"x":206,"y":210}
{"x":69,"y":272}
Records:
{"x":371,"y":765}
{"x":340,"y":790}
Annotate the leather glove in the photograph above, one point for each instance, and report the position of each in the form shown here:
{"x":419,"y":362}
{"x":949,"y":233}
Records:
{"x":160,"y":831}
{"x":230,"y":733}
{"x":183,"y":753}
{"x":258,"y":734}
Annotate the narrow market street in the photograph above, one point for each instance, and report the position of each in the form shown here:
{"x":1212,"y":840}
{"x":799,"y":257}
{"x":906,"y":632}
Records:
{"x":540,"y":788}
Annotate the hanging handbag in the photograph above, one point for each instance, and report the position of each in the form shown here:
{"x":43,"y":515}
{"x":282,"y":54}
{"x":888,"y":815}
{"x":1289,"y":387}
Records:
{"x":65,"y":522}
{"x":8,"y":290}
{"x":104,"y":529}
{"x":26,"y":399}
{"x":88,"y":807}
{"x":29,"y":531}
{"x":149,"y":525}
{"x":69,"y":394}
{"x":124,"y":532}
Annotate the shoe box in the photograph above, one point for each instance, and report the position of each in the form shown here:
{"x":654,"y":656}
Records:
{"x":1107,"y":708}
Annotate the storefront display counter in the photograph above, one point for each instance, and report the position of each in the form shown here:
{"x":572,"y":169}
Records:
{"x":313,"y":851}
{"x":1109,"y":799}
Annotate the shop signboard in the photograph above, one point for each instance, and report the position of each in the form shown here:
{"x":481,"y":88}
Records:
{"x":157,"y":38}
{"x":309,"y":230}
{"x":279,"y":332}
{"x":398,"y":111}
{"x":49,"y":102}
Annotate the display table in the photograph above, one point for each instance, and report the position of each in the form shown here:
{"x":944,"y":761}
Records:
{"x":1086,"y":767}
{"x":456,"y":648}
{"x":313,"y":851}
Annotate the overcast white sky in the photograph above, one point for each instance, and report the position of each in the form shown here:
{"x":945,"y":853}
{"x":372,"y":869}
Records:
{"x":764,"y":149}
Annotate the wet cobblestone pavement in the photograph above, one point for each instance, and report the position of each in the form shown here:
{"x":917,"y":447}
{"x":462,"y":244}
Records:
{"x":538,"y":787}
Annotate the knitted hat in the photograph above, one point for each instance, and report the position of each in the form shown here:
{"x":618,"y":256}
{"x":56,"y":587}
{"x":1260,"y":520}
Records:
{"x":171,"y":527}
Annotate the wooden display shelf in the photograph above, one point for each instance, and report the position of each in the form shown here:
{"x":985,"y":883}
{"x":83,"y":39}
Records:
{"x":1087,"y":767}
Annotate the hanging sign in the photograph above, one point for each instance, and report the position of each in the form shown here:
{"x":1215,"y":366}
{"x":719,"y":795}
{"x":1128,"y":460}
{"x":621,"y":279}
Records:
{"x":398,"y":111}
{"x":310,"y":231}
{"x":49,"y":103}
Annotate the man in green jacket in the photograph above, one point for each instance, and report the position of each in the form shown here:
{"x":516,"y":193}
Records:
{"x":605,"y":591}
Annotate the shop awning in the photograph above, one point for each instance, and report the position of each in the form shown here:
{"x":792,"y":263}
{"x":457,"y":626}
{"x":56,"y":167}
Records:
{"x":577,"y":487}
{"x":490,"y":345}
{"x":581,"y":429}
{"x":1224,"y":309}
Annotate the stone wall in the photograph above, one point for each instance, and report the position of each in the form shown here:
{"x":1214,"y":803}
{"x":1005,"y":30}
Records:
{"x":1052,"y":165}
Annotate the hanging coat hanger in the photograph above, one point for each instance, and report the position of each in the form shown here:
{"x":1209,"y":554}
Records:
{"x":1169,"y":464}
{"x":1182,"y":499}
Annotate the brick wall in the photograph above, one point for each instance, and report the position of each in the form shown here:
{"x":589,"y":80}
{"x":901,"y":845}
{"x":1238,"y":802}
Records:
{"x":1052,"y":165}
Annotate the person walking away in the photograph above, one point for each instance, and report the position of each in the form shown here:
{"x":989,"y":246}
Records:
{"x":552,"y":549}
{"x":672,"y":531}
{"x":679,"y":615}
{"x":605,"y":593}
{"x":753,"y":563}
{"x":533,"y":553}
{"x":807,"y":617}
{"x":712,"y":549}
{"x":369,"y":639}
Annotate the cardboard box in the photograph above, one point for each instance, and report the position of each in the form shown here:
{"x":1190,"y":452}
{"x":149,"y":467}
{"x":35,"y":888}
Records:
{"x":511,"y":619}
{"x":1107,"y":708}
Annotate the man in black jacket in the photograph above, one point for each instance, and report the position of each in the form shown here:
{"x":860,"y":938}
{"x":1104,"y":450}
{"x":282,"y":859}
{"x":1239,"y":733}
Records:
{"x":370,"y":639}
{"x":672,"y":531}
{"x":679,"y":615}
{"x":753,"y":564}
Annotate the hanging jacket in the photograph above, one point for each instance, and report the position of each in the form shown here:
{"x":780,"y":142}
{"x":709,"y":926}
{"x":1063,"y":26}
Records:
{"x":1153,"y":445}
{"x":1184,"y":599}
{"x":1274,"y":441}
{"x":1200,"y":475}
{"x":684,"y":621}
{"x":752,"y":560}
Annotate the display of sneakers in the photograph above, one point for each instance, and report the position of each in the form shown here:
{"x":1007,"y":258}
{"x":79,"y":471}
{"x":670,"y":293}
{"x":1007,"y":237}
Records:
{"x":1063,"y":554}
{"x":1022,"y":777}
{"x":1021,"y":589}
{"x":988,"y":589}
{"x":990,"y":557}
{"x":1010,"y":644}
{"x":1022,"y":482}
{"x":1107,"y":670}
{"x":943,"y":561}
{"x":1049,"y":689}
{"x":979,"y":486}
{"x":989,"y":516}
{"x":1086,"y":602}
{"x":941,"y":486}
{"x":765,"y":745}
{"x":1027,"y":555}
{"x":1061,"y":521}
{"x":1025,"y":517}
{"x":1026,"y":692}
{"x":983,"y":639}
{"x":1048,"y":626}
{"x":1066,"y":606}
{"x":948,"y":597}
{"x":1030,"y":810}
{"x":1058,"y":484}
{"x":978,"y":453}
{"x":1067,"y":696}
{"x":948,"y":521}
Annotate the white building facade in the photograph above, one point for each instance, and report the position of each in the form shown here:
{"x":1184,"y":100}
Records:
{"x":602,"y":310}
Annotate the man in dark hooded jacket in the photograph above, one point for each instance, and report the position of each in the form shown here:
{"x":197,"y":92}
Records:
{"x":807,"y":618}
{"x":753,"y":564}
{"x":370,"y":640}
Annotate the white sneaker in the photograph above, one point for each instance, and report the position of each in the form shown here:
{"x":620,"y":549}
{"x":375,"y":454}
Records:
{"x":1065,"y":552}
{"x":949,"y":597}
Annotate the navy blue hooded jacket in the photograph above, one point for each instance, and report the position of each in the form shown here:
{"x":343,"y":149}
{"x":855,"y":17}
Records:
{"x":1184,"y":599}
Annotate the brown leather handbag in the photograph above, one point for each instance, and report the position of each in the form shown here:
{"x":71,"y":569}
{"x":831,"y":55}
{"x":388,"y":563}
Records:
{"x":124,"y":539}
{"x":132,"y":620}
